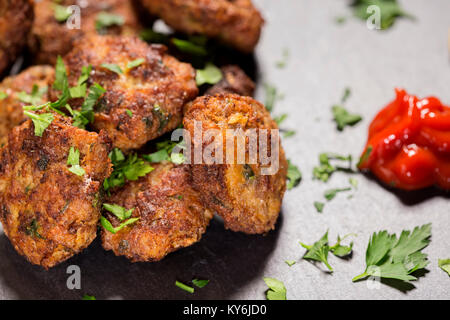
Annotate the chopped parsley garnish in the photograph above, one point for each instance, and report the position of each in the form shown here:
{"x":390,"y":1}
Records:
{"x":79,"y":91}
{"x":282,"y":63}
{"x":444,"y":264}
{"x":88,"y":297}
{"x":184,"y":287}
{"x":61,"y":13}
{"x":210,"y":75}
{"x":3,"y":95}
{"x":118,"y":211}
{"x":73,"y":160}
{"x":129,"y":113}
{"x":280,"y":119}
{"x":135,"y":63}
{"x":294,"y":176}
{"x":320,"y":249}
{"x":35,"y":97}
{"x":105,"y":19}
{"x":189,"y":47}
{"x":200,"y":283}
{"x":109,"y":227}
{"x":152,"y":36}
{"x":164,"y":152}
{"x":60,"y":74}
{"x":390,"y":10}
{"x":32,"y":229}
{"x":326,"y":169}
{"x":87,"y":109}
{"x":129,"y":168}
{"x":271,"y":96}
{"x":40,"y":121}
{"x":319,"y":206}
{"x":112,"y":67}
{"x":288,"y":133}
{"x":344,"y":118}
{"x":290,"y":263}
{"x":389,"y":257}
{"x":276,"y":291}
{"x":330,"y":194}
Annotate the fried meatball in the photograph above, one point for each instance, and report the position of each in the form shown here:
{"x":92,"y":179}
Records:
{"x":141,"y":103}
{"x":234,"y":81}
{"x":246,"y":196}
{"x":171,"y":215}
{"x":13,"y":88}
{"x":16,"y":17}
{"x":236,"y":23}
{"x":50,"y":37}
{"x":49,"y":213}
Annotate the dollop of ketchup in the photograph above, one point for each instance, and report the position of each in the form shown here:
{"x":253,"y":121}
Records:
{"x":409,"y":143}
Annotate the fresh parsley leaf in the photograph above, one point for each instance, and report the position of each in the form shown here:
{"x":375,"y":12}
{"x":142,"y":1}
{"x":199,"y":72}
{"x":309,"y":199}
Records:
{"x":157,"y":156}
{"x":189,"y":47}
{"x":154,"y":37}
{"x":61,"y":13}
{"x":184,"y":287}
{"x":344,"y":118}
{"x":60,"y":74}
{"x":294,"y":176}
{"x":390,"y":10}
{"x":277,"y":290}
{"x":35,"y":97}
{"x":318,"y":251}
{"x":3,"y":95}
{"x":210,"y":75}
{"x":112,"y":67}
{"x":319,"y":206}
{"x":135,"y":63}
{"x":389,"y":257}
{"x":200,"y":283}
{"x":40,"y":121}
{"x":73,"y":160}
{"x":325,"y":169}
{"x":164,"y":153}
{"x":280,"y":119}
{"x":88,"y":297}
{"x":342,"y":251}
{"x":105,"y":19}
{"x":290,"y":263}
{"x":129,"y":113}
{"x":109,"y":227}
{"x":118,"y":211}
{"x":444,"y":264}
{"x":32,"y":229}
{"x":330,"y":194}
{"x":86,"y":115}
{"x":79,"y":91}
{"x":271,"y":96}
{"x":288,"y":133}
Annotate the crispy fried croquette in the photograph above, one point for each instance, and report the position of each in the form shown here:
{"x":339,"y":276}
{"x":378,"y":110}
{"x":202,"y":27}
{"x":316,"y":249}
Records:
{"x":171,"y":215}
{"x":48,"y":212}
{"x":16,"y":17}
{"x":247,"y":200}
{"x":17,"y":92}
{"x":236,"y":23}
{"x":52,"y":34}
{"x":145,"y":87}
{"x":234,"y":81}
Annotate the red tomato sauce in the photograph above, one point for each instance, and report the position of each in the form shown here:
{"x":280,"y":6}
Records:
{"x":409,"y":143}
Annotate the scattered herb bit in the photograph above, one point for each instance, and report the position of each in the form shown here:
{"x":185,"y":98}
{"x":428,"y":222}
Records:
{"x":135,"y":63}
{"x":3,"y":95}
{"x":271,"y":96}
{"x":342,"y":251}
{"x":88,"y":297}
{"x":353,"y":182}
{"x":294,"y":176}
{"x":73,"y":160}
{"x":365,"y":156}
{"x":40,"y":121}
{"x":61,"y":13}
{"x":343,"y":118}
{"x":105,"y":20}
{"x":277,"y":290}
{"x":32,"y":229}
{"x":184,"y":287}
{"x":118,"y":211}
{"x":86,"y":115}
{"x":164,"y":153}
{"x":282,"y":63}
{"x":130,"y":168}
{"x":325,"y":169}
{"x":154,"y":37}
{"x":331,"y":193}
{"x":390,"y":10}
{"x":290,"y":263}
{"x":109,"y":227}
{"x":112,"y":67}
{"x":189,"y":47}
{"x":200,"y":283}
{"x":340,"y":19}
{"x":346,"y":94}
{"x":79,"y":91}
{"x":60,"y":74}
{"x":444,"y":264}
{"x":319,"y":206}
{"x":210,"y":75}
{"x":318,"y":251}
{"x":389,"y":257}
{"x":279,"y":120}
{"x":35,"y":97}
{"x":129,"y":113}
{"x":289,"y":133}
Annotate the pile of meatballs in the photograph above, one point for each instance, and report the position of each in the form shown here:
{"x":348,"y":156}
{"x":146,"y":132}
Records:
{"x":49,"y":213}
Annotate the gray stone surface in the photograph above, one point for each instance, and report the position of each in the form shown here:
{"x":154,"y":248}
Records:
{"x":324,"y":58}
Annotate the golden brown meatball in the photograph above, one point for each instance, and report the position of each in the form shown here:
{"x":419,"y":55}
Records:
{"x":50,"y":37}
{"x":17,"y":91}
{"x":237,"y":23}
{"x":234,"y":81}
{"x":16,"y":17}
{"x":141,"y":103}
{"x":170,"y":214}
{"x":49,"y":213}
{"x":247,"y":198}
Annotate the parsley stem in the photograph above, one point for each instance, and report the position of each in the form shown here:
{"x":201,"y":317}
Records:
{"x":361,"y":276}
{"x":184,"y":287}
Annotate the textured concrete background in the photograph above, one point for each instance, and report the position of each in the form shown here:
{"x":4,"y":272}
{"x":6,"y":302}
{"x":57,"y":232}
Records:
{"x":324,"y":59}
